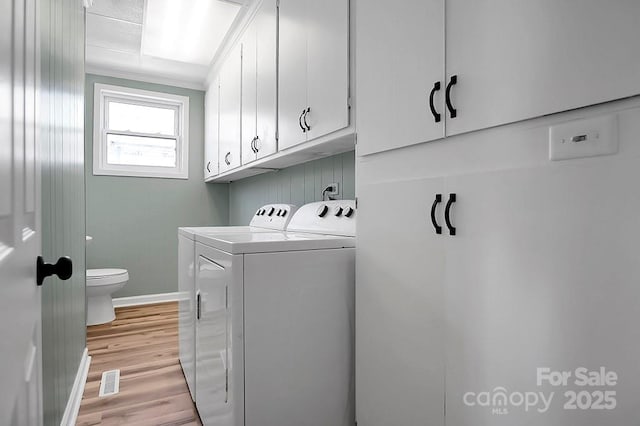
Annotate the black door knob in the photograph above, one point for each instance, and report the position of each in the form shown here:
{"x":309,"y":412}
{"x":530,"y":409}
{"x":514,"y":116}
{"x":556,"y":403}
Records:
{"x":63,"y":268}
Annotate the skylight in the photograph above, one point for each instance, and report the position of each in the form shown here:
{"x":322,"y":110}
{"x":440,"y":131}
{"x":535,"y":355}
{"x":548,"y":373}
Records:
{"x":187,"y":31}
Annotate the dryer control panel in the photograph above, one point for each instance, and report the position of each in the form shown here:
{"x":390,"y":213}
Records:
{"x":273,"y":216}
{"x":335,"y":217}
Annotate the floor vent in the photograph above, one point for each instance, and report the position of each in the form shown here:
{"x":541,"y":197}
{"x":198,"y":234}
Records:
{"x":110,"y":383}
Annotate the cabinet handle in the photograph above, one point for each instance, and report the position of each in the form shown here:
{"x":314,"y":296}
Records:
{"x":304,"y":118}
{"x":434,"y":222}
{"x":226,"y":159}
{"x":452,"y":111}
{"x":255,"y":143}
{"x":436,"y":115}
{"x":253,"y":147}
{"x":447,"y":214}
{"x":208,"y":166}
{"x":198,"y":306}
{"x":300,"y":121}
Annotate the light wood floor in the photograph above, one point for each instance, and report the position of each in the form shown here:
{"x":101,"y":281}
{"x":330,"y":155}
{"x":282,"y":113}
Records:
{"x":143,"y":343}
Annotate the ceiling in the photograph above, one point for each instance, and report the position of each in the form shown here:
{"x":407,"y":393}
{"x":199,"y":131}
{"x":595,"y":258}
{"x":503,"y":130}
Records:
{"x":114,"y":40}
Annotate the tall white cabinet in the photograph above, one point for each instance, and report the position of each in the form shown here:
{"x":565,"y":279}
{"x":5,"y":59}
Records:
{"x":313,"y":69}
{"x":506,"y":61}
{"x":479,"y":259}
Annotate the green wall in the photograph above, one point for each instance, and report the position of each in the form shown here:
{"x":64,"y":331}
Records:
{"x":133,"y":220}
{"x":61,"y":141}
{"x":296,"y":185}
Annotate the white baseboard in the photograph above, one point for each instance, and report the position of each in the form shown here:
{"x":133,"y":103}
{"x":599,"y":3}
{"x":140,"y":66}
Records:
{"x":73,"y":404}
{"x":145,"y":299}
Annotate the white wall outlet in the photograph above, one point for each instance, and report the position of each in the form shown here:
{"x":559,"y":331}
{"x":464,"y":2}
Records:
{"x":584,"y":138}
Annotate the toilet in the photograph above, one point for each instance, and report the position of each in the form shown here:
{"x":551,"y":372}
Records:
{"x":101,"y":284}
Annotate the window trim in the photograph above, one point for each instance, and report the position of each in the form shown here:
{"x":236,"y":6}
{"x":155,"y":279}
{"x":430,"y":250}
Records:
{"x":103,"y":93}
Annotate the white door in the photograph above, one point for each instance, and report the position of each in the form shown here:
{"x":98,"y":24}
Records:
{"x":211,"y":107}
{"x":230,"y":111}
{"x":400,"y":305}
{"x":249,"y":82}
{"x":292,"y":77}
{"x":265,"y":23}
{"x":399,"y":65}
{"x":20,"y":240}
{"x":517,"y":59}
{"x":327,"y":67}
{"x":543,"y":273}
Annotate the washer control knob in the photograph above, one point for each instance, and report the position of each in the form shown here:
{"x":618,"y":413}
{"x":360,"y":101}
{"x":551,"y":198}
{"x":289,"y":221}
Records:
{"x":258,"y":212}
{"x":284,"y":212}
{"x":348,"y":212}
{"x":271,"y":210}
{"x":338,"y":212}
{"x":322,"y":210}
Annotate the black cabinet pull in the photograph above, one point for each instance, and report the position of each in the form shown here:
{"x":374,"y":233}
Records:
{"x":300,"y":121}
{"x":434,"y":222}
{"x":255,"y":144}
{"x":63,"y":268}
{"x":304,"y":118}
{"x":198,"y":306}
{"x":208,"y":164}
{"x":436,"y":115}
{"x":226,"y":159}
{"x":452,"y":111}
{"x":447,"y":214}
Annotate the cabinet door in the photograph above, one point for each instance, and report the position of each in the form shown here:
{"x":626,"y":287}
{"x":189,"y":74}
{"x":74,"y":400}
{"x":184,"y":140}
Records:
{"x":543,"y":272}
{"x":249,"y":81}
{"x":211,"y":108}
{"x":399,"y":306}
{"x":230,"y":109}
{"x":212,"y":344}
{"x":266,"y":25}
{"x":292,"y":72}
{"x":327,"y":66}
{"x":517,"y":59}
{"x":399,"y":57}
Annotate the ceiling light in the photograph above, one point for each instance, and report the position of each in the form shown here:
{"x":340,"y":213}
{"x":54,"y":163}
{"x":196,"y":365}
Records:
{"x":186,"y":31}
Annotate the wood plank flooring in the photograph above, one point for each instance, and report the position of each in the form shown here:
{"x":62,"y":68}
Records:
{"x":143,"y":343}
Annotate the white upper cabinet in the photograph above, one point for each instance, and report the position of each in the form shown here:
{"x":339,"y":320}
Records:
{"x":399,"y":70}
{"x":259,"y":84}
{"x":211,"y":108}
{"x":249,"y":89}
{"x":518,"y":59}
{"x":506,"y":61}
{"x":314,"y":69}
{"x":230,"y":111}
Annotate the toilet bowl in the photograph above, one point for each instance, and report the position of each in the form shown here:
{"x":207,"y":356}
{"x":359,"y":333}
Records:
{"x":101,"y":284}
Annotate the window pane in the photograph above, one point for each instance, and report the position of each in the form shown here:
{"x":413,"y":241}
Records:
{"x":141,"y":119}
{"x":141,"y":151}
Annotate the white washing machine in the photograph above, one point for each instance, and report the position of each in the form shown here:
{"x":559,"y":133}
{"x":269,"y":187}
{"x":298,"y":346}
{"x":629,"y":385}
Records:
{"x":266,"y":219}
{"x":275,"y":322}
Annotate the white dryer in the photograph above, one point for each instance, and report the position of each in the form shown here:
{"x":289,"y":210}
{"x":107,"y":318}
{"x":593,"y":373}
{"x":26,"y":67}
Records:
{"x":275,"y":327}
{"x":269,"y":218}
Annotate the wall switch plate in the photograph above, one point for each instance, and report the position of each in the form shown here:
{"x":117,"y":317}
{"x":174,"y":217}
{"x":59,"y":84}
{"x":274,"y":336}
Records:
{"x":584,"y":138}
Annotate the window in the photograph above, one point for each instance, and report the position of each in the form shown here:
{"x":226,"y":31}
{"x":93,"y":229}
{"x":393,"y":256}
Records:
{"x":140,"y":133}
